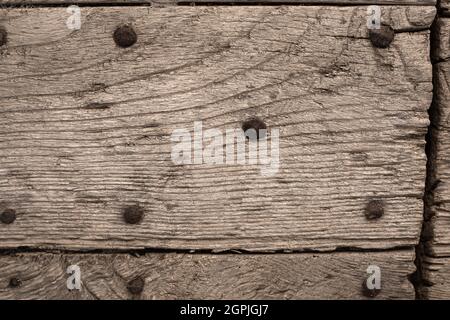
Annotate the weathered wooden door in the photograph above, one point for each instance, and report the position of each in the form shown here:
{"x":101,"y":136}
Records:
{"x":116,"y":157}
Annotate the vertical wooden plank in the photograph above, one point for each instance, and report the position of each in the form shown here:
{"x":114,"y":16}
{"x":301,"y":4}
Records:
{"x":436,"y":271}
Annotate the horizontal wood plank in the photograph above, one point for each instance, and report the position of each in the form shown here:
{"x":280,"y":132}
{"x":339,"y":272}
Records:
{"x":352,"y":121}
{"x":199,"y":276}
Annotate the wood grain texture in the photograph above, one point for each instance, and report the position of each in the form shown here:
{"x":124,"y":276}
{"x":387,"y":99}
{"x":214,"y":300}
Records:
{"x":436,"y":266}
{"x":441,"y":40}
{"x":444,"y":6}
{"x":200,"y":2}
{"x":352,"y":122}
{"x":439,"y":243}
{"x":198,"y":276}
{"x":436,"y":273}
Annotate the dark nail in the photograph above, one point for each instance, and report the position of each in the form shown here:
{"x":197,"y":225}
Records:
{"x":374,"y":209}
{"x":125,"y":37}
{"x":256,"y":124}
{"x":136,"y":286}
{"x":8,"y":216}
{"x":370,"y":293}
{"x":14,"y":282}
{"x":133,"y":214}
{"x":382,"y":38}
{"x":3,"y":37}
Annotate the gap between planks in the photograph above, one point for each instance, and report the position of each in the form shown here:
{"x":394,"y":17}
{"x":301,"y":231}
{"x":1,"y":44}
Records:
{"x":20,"y":250}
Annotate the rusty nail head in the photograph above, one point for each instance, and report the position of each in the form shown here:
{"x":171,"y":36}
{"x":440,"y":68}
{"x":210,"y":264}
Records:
{"x":8,"y":216}
{"x":125,"y":36}
{"x":136,"y":286}
{"x":14,"y":282}
{"x":133,"y":214}
{"x":381,"y":38}
{"x":370,"y":293}
{"x":256,"y":124}
{"x":374,"y":209}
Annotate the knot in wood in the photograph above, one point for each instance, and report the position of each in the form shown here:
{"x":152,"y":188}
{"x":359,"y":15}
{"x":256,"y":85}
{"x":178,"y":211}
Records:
{"x":133,"y":214}
{"x":124,"y":36}
{"x":381,"y":38}
{"x":256,"y":124}
{"x":8,"y":216}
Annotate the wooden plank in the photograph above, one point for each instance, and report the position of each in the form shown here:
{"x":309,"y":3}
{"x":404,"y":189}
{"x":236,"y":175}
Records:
{"x":436,"y":271}
{"x":201,"y":2}
{"x":441,"y":40}
{"x":439,"y":244}
{"x":444,"y":6}
{"x":85,"y":127}
{"x":200,"y":276}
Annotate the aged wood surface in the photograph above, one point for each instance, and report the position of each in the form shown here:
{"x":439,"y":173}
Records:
{"x":436,"y":266}
{"x":439,"y":244}
{"x":199,"y":276}
{"x":200,"y":2}
{"x":441,"y":40}
{"x":436,"y":274}
{"x":85,"y":127}
{"x":444,"y":6}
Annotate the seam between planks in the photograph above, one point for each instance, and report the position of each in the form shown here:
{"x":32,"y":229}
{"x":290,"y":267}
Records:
{"x":19,"y":250}
{"x":418,"y":279}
